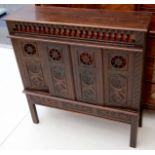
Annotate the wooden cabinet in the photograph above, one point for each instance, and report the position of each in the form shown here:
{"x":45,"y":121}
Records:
{"x":70,"y":61}
{"x":149,"y":8}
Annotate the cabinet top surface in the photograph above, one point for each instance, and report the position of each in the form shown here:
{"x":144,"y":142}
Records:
{"x":82,"y":17}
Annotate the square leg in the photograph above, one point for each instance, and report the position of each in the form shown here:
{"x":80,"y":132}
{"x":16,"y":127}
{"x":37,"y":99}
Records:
{"x":33,"y":111}
{"x":133,"y":134}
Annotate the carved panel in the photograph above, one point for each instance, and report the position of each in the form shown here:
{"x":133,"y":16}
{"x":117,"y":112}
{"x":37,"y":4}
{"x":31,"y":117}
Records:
{"x":59,"y":79}
{"x":30,"y":64}
{"x":59,"y":70}
{"x":88,"y":74}
{"x":119,"y":69}
{"x":36,"y":77}
{"x":118,"y":89}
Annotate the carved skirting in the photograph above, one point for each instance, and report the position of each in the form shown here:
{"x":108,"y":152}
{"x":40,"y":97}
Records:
{"x":85,"y":108}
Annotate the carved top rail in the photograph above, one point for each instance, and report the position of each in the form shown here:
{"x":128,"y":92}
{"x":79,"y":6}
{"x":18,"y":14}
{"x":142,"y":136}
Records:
{"x":124,"y":28}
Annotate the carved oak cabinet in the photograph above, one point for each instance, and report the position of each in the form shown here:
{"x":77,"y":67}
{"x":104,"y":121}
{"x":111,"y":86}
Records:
{"x":86,"y":61}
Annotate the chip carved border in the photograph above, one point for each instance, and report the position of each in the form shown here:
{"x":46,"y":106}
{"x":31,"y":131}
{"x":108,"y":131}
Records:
{"x":84,"y":108}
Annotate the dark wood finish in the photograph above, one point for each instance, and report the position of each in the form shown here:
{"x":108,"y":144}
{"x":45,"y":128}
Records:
{"x":99,"y":18}
{"x":33,"y":110}
{"x":118,"y":114}
{"x":59,"y":70}
{"x":123,"y":7}
{"x":134,"y":126}
{"x":149,"y":71}
{"x":87,"y":68}
{"x":89,"y":65}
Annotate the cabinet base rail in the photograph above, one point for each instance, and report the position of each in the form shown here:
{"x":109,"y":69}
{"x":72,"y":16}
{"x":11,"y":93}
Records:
{"x":121,"y":115}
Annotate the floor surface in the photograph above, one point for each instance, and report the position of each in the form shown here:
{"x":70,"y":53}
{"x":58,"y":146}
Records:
{"x":58,"y":129}
{"x":3,"y":28}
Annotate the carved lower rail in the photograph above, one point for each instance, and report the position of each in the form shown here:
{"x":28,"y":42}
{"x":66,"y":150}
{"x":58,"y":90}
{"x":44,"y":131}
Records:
{"x":122,"y":115}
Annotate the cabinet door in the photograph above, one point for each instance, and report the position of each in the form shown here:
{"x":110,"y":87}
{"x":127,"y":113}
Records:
{"x":30,"y":63}
{"x":58,"y":66}
{"x":87,"y":67}
{"x":123,"y":78}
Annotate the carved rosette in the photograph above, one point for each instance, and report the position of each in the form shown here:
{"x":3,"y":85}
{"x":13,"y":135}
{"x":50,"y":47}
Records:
{"x":118,"y":89}
{"x":86,"y":58}
{"x":118,"y":61}
{"x":30,"y":49}
{"x":55,"y":54}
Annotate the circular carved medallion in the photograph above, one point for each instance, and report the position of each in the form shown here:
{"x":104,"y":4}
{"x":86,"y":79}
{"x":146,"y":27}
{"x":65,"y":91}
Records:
{"x":86,"y":58}
{"x":87,"y":77}
{"x":58,"y":72}
{"x":118,"y":62}
{"x":118,"y":81}
{"x":55,"y":54}
{"x":30,"y":49}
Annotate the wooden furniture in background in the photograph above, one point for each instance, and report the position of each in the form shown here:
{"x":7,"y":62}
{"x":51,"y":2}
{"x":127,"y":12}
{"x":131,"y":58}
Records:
{"x":82,"y":60}
{"x":149,"y":89}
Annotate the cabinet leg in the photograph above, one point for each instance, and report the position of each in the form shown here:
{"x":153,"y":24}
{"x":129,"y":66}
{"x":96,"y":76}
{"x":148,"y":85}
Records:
{"x":133,"y":134}
{"x":33,"y":111}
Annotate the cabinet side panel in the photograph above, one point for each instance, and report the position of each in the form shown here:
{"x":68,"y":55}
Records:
{"x":137,"y":80}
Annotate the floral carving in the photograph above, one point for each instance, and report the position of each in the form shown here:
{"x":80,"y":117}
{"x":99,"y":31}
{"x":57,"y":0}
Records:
{"x":30,"y":49}
{"x":55,"y":54}
{"x":118,"y":62}
{"x":118,"y":81}
{"x":87,"y":77}
{"x":86,"y":58}
{"x":89,"y":94}
{"x":59,"y":81}
{"x":58,"y":72}
{"x":36,"y":75}
{"x":118,"y":89}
